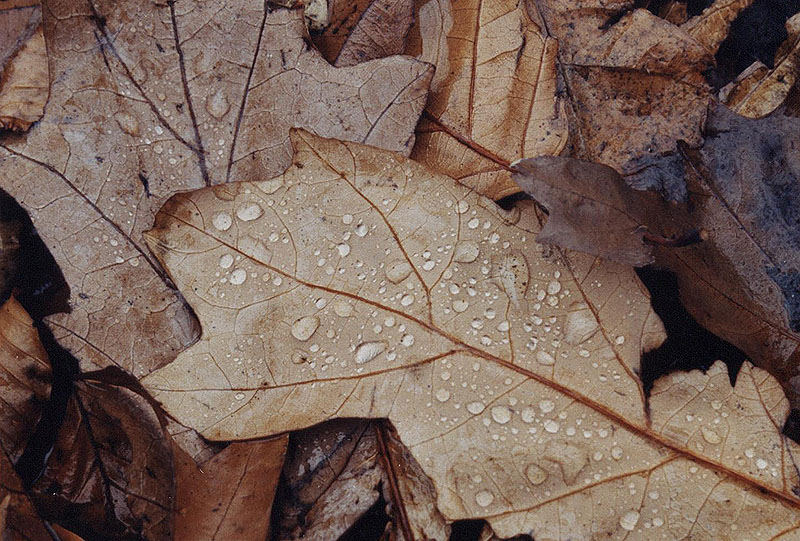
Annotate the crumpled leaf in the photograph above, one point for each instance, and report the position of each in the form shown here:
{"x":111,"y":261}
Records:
{"x":230,"y":495}
{"x":710,"y":28}
{"x":24,"y":378}
{"x":398,"y":293}
{"x":742,"y":282}
{"x":110,"y":473}
{"x":335,"y":472}
{"x":365,"y":30}
{"x":134,"y":118}
{"x":758,"y":90}
{"x":24,"y":74}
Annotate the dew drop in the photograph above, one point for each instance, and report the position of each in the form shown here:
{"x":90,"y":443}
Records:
{"x":250,"y":212}
{"x":475,"y":407}
{"x":553,"y":287}
{"x":546,"y":406}
{"x":484,"y":498}
{"x":442,"y":395}
{"x":305,"y":327}
{"x":217,"y":105}
{"x":270,"y":186}
{"x":551,"y":426}
{"x":545,"y":358}
{"x":238,"y":277}
{"x":501,"y":414}
{"x":528,"y":415}
{"x":222,"y":221}
{"x":342,"y":308}
{"x":535,"y":474}
{"x":407,"y":340}
{"x":397,"y":270}
{"x":761,"y":463}
{"x":344,"y":249}
{"x":127,"y":123}
{"x":466,"y":252}
{"x":361,"y":230}
{"x":460,"y":305}
{"x":616,"y":453}
{"x":462,"y":207}
{"x":369,"y":350}
{"x":580,"y":324}
{"x":473,"y":223}
{"x":428,"y":265}
{"x":347,"y":219}
{"x":710,"y":436}
{"x":629,"y":520}
{"x":239,"y":396}
{"x":407,"y":300}
{"x":226,"y":261}
{"x":503,"y":326}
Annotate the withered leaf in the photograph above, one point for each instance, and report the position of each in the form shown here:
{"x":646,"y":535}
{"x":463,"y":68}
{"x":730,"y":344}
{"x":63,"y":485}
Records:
{"x":369,"y":286}
{"x":151,"y":98}
{"x":18,"y":518}
{"x":24,"y":73}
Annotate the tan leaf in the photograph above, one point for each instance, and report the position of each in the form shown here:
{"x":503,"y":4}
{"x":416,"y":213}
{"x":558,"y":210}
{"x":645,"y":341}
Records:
{"x":24,"y":378}
{"x":493,"y":99}
{"x":229,"y":496}
{"x":758,"y":90}
{"x":372,"y":287}
{"x":710,"y":28}
{"x":335,"y":472}
{"x":24,"y":74}
{"x":149,"y":99}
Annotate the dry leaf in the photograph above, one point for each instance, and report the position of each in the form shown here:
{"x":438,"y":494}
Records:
{"x":229,"y":496}
{"x":741,"y":283}
{"x":133,"y":118}
{"x":365,"y":30}
{"x":24,"y":75}
{"x":335,"y":473}
{"x":24,"y":378}
{"x":493,"y":99}
{"x":110,"y":472}
{"x":372,"y":287}
{"x":18,"y":518}
{"x":710,"y":28}
{"x":758,"y":90}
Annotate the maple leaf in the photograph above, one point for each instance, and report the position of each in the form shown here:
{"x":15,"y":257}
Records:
{"x":150,"y":99}
{"x":368,"y":286}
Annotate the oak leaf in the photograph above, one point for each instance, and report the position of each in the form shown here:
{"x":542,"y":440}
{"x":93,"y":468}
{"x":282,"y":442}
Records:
{"x":369,"y":286}
{"x":149,"y":99}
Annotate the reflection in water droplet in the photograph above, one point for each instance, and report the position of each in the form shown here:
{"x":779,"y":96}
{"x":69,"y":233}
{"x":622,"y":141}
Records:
{"x":442,"y":395}
{"x":249,"y":212}
{"x":397,"y":270}
{"x":475,"y":407}
{"x":629,"y":520}
{"x":501,"y":414}
{"x":484,"y":498}
{"x":369,"y":350}
{"x":304,"y":328}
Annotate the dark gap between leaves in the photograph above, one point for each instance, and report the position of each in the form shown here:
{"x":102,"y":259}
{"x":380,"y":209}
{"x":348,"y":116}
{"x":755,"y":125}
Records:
{"x":693,"y":7}
{"x":466,"y":530}
{"x":372,"y":524}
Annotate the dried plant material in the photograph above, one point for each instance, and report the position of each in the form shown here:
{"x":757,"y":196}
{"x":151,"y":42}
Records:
{"x":229,"y":496}
{"x":110,"y":473}
{"x":404,"y":296}
{"x":24,"y":74}
{"x":674,"y":11}
{"x":758,"y":90}
{"x":710,"y":28}
{"x":365,"y":30}
{"x":494,"y":98}
{"x":335,"y":473}
{"x":172,"y":100}
{"x":18,"y":517}
{"x":24,"y":378}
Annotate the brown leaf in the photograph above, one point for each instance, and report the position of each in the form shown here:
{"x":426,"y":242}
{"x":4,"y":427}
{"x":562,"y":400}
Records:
{"x":148,"y":100}
{"x":18,"y":518}
{"x":110,"y":473}
{"x":395,"y":300}
{"x":24,"y":75}
{"x":365,"y":30}
{"x":230,"y":495}
{"x":24,"y":378}
{"x":741,"y":283}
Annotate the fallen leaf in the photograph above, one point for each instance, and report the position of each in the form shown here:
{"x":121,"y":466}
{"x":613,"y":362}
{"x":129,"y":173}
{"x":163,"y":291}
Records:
{"x":24,"y":75}
{"x":711,"y":27}
{"x":399,"y":294}
{"x":230,"y":495}
{"x":741,"y":283}
{"x":365,"y":30}
{"x":493,"y":98}
{"x":336,"y":472}
{"x":24,"y":378}
{"x":759,"y":90}
{"x":110,"y":473}
{"x":18,"y":518}
{"x":148,"y":100}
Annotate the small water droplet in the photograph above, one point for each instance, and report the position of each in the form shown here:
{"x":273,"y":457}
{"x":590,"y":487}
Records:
{"x":761,"y":463}
{"x":551,"y":426}
{"x":501,"y":414}
{"x":305,"y":327}
{"x":616,"y":453}
{"x":407,"y":340}
{"x":407,"y":300}
{"x":484,"y":498}
{"x":239,"y":396}
{"x":222,"y":221}
{"x":475,"y":407}
{"x":347,"y":219}
{"x":462,"y":207}
{"x":442,"y":395}
{"x":528,"y":415}
{"x":369,"y":350}
{"x":503,"y":326}
{"x":361,"y":230}
{"x":473,"y":223}
{"x":344,"y":249}
{"x":397,"y":270}
{"x":428,"y":265}
{"x":460,"y":305}
{"x":342,"y":308}
{"x":716,"y":404}
{"x":250,"y":212}
{"x":629,"y":520}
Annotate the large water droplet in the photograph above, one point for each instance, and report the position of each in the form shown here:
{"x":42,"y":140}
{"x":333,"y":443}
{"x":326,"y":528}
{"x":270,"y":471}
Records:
{"x":545,"y":358}
{"x":551,"y":426}
{"x":466,"y":252}
{"x":305,"y":327}
{"x":222,"y":221}
{"x":528,"y":415}
{"x":249,"y":212}
{"x":226,"y":261}
{"x":442,"y":395}
{"x":460,"y":305}
{"x":629,"y":520}
{"x":342,"y":308}
{"x":510,"y":270}
{"x":710,"y":436}
{"x":369,"y":350}
{"x":484,"y":498}
{"x":407,"y":300}
{"x":475,"y":407}
{"x":217,"y":105}
{"x":501,"y":414}
{"x":580,"y":325}
{"x":553,"y":287}
{"x":397,"y":270}
{"x":535,"y":474}
{"x":546,"y":406}
{"x":238,"y":277}
{"x":344,"y":249}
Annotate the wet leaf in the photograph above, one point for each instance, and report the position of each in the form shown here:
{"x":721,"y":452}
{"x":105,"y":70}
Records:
{"x":153,"y":98}
{"x":24,"y":75}
{"x":370,"y":286}
{"x":230,"y":495}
